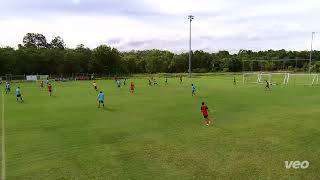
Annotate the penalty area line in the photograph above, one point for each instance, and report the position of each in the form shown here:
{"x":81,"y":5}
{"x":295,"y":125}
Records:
{"x":3,"y":147}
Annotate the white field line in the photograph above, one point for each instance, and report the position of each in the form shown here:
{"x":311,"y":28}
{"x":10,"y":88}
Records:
{"x":3,"y":148}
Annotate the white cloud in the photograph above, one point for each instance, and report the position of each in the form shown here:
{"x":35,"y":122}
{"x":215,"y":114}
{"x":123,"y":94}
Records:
{"x":76,"y":1}
{"x":147,"y":24}
{"x":186,"y":6}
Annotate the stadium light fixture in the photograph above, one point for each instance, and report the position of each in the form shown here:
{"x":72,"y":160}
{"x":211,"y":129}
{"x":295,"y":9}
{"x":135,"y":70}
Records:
{"x":312,"y":34}
{"x":190,"y":17}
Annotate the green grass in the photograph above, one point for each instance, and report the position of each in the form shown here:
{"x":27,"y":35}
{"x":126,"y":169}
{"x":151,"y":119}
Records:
{"x":158,"y":133}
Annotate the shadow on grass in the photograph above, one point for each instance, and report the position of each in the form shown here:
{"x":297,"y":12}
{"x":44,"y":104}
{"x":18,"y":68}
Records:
{"x":107,"y":109}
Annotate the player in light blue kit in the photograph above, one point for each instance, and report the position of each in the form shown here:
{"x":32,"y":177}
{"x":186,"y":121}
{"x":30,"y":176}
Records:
{"x":193,"y":87}
{"x":101,"y":99}
{"x":18,"y":94}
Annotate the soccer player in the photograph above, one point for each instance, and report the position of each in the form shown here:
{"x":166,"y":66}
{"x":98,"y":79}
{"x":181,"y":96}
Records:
{"x":180,"y":79}
{"x":18,"y":94}
{"x":95,"y":86}
{"x":193,"y":88}
{"x":8,"y":88}
{"x":234,"y":81}
{"x":47,"y":81}
{"x":124,"y":82}
{"x":150,"y":84}
{"x":50,"y":89}
{"x":166,"y":81}
{"x":204,"y":110}
{"x":118,"y":83}
{"x":132,"y":88}
{"x":41,"y":84}
{"x":101,"y":99}
{"x":267,"y":85}
{"x":155,"y":82}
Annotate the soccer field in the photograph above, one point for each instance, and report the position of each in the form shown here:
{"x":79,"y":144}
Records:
{"x":158,"y":133}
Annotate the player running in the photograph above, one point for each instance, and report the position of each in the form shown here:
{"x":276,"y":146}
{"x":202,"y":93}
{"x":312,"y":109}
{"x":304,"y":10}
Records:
{"x":132,"y":88}
{"x":50,"y":89}
{"x":95,"y":86}
{"x":204,"y":110}
{"x":18,"y":94}
{"x":118,"y":83}
{"x":8,"y":89}
{"x":267,"y":85}
{"x":41,"y":84}
{"x":101,"y":99}
{"x":124,"y":82}
{"x":193,"y":88}
{"x":155,"y":82}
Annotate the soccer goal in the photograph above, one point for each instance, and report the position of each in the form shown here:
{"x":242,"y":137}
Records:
{"x":42,"y":77}
{"x":261,"y":77}
{"x":303,"y":79}
{"x":279,"y":78}
{"x":251,"y":77}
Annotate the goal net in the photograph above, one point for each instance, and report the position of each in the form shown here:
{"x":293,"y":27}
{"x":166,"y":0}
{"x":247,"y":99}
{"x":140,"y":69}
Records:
{"x":282,"y":78}
{"x":42,"y":77}
{"x":303,"y":79}
{"x":279,"y":71}
{"x":249,"y":78}
{"x":261,"y":77}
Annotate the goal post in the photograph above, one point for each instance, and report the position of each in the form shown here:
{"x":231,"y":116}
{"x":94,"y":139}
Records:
{"x":250,"y":77}
{"x":279,"y":71}
{"x":264,"y":76}
{"x":303,"y":79}
{"x":279,"y":78}
{"x":261,"y":77}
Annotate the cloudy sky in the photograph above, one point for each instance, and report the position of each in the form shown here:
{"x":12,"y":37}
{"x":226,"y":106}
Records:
{"x":145,"y":24}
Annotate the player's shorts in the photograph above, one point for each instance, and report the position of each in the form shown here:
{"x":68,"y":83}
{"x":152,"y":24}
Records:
{"x":95,"y":87}
{"x":267,"y":86}
{"x":50,"y":90}
{"x":205,"y":116}
{"x":18,"y":95}
{"x":193,"y":92}
{"x":102,"y":102}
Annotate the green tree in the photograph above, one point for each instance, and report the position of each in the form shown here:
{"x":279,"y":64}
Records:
{"x":35,"y":40}
{"x":57,"y":43}
{"x":105,"y":60}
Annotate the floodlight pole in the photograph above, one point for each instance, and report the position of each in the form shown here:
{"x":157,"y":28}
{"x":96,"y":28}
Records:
{"x":310,"y":61}
{"x":190,"y":17}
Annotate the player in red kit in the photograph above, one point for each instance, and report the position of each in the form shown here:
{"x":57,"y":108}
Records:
{"x":50,"y":89}
{"x":132,"y":88}
{"x":204,"y":110}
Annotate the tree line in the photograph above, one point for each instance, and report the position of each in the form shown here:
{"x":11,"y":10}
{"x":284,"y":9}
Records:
{"x":38,"y":56}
